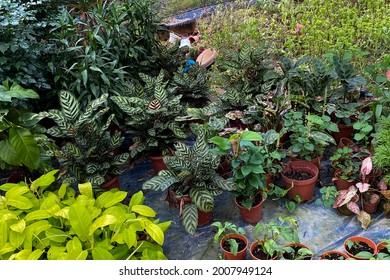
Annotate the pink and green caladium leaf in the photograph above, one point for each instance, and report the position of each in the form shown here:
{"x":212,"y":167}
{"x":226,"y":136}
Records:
{"x":382,"y":185}
{"x":366,"y":167}
{"x":363,"y":187}
{"x":353,"y":207}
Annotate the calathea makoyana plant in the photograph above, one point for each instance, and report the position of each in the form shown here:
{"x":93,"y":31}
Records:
{"x":88,"y":153}
{"x":151,"y":111}
{"x":192,"y":173}
{"x":47,"y":221}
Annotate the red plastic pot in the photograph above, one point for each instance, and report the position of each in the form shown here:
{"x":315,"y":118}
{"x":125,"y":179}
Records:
{"x":158,"y":163}
{"x":253,"y":247}
{"x":241,"y":255}
{"x":324,"y":254}
{"x":363,"y":239}
{"x":345,"y":131}
{"x":253,"y":215}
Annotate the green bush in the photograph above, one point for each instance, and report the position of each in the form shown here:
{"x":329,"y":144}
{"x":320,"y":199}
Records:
{"x":39,"y":223}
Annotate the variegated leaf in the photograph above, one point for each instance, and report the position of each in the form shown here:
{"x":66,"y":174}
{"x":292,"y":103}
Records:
{"x":69,"y":105}
{"x":120,"y":159}
{"x":202,"y":198}
{"x":189,"y":218}
{"x":159,"y":183}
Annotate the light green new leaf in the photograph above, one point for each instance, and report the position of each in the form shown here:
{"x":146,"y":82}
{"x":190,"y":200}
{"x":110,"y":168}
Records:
{"x":101,"y":222}
{"x":35,"y":255}
{"x":7,"y":248}
{"x":16,"y":192}
{"x":144,"y":210}
{"x":251,"y":136}
{"x":19,"y":226}
{"x":20,"y":202}
{"x":80,"y":220}
{"x":56,"y":235}
{"x":62,"y":191}
{"x":110,"y":198}
{"x":130,"y":237}
{"x":155,"y":233}
{"x":136,"y":199}
{"x":101,"y":254}
{"x":37,"y":215}
{"x":86,"y":189}
{"x":3,"y":234}
{"x":44,"y":181}
{"x":16,"y":239}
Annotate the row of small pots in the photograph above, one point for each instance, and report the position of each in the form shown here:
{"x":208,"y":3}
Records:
{"x":372,"y":247}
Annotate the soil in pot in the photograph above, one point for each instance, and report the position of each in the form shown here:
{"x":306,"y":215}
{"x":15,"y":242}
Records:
{"x":258,"y":253}
{"x":290,"y":256}
{"x":381,"y":248}
{"x":333,"y":255}
{"x":360,"y":247}
{"x":241,"y":244}
{"x":357,"y":244}
{"x":298,"y":175}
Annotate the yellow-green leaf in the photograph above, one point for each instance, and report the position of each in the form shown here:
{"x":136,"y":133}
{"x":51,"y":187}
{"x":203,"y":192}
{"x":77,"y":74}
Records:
{"x":35,"y":255}
{"x":102,"y":221}
{"x":130,"y":238}
{"x":101,"y":254}
{"x":6,"y":216}
{"x":44,"y":181}
{"x":144,"y":210}
{"x":62,"y":191}
{"x":20,"y":202}
{"x":19,"y":226}
{"x":7,"y":248}
{"x":86,"y":189}
{"x":16,"y":239}
{"x":165,"y":225}
{"x":3,"y":234}
{"x":155,"y":233}
{"x":75,"y":250}
{"x":22,"y":255}
{"x":64,"y":213}
{"x":110,"y":198}
{"x":7,"y":186}
{"x":136,"y":199}
{"x":39,"y":226}
{"x":56,"y":235}
{"x":16,"y":192}
{"x":80,"y":220}
{"x":37,"y":215}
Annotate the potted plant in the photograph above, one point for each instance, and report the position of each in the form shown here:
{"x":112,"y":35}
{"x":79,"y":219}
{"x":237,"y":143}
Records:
{"x":152,"y":110}
{"x":383,"y":249}
{"x":346,"y":168}
{"x":232,"y":240}
{"x":89,"y":152}
{"x":349,"y":197}
{"x":333,"y":255}
{"x":308,"y":135}
{"x":328,"y":196}
{"x":297,"y":251}
{"x":58,"y":222}
{"x":299,"y":179}
{"x":192,"y":176}
{"x":360,"y":247}
{"x":253,"y":156}
{"x":267,"y":245}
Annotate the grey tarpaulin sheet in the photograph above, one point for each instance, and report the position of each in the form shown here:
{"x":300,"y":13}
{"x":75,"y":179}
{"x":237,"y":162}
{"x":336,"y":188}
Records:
{"x":320,"y":228}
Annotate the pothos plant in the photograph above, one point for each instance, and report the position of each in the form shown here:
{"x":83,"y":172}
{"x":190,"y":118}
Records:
{"x":192,"y":174}
{"x":350,"y":196}
{"x":223,"y":230}
{"x":44,"y":221}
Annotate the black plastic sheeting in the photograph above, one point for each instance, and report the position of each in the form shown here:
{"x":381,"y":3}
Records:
{"x":320,"y":228}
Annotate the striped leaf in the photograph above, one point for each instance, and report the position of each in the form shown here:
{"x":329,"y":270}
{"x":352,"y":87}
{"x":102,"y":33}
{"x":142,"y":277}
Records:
{"x":190,"y":218}
{"x":92,"y":168}
{"x":116,"y":140}
{"x":177,"y":130}
{"x":202,"y":198}
{"x":120,"y":159}
{"x":224,"y":184}
{"x":69,"y":105}
{"x":159,"y":183}
{"x":161,"y":94}
{"x":72,"y":150}
{"x":96,"y":180}
{"x":177,"y":164}
{"x":182,"y":150}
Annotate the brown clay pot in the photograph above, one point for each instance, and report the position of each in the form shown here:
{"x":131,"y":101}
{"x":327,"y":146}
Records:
{"x":253,"y":215}
{"x":341,"y":184}
{"x":345,"y":142}
{"x":112,"y":184}
{"x":358,"y":238}
{"x":303,"y":188}
{"x":296,"y":245}
{"x":370,"y":208}
{"x":381,"y":245}
{"x":344,"y":211}
{"x":158,"y":163}
{"x":345,"y":131}
{"x":316,"y":161}
{"x":270,"y":180}
{"x":253,"y":247}
{"x":324,"y":254}
{"x":241,"y":255}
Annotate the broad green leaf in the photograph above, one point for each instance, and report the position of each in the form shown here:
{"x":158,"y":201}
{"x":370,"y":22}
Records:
{"x":6,"y":215}
{"x":245,"y":170}
{"x":37,"y":215}
{"x":110,"y":198}
{"x":7,"y":248}
{"x":56,"y":235}
{"x":144,"y":210}
{"x":35,"y":255}
{"x":16,"y":192}
{"x":56,"y":253}
{"x":250,"y":136}
{"x":19,"y":226}
{"x":20,"y":202}
{"x":16,"y":239}
{"x":39,"y":226}
{"x":136,"y":199}
{"x":155,"y":232}
{"x":149,"y":254}
{"x":80,"y":220}
{"x":44,"y":181}
{"x":22,"y":255}
{"x":86,"y":189}
{"x":62,"y":191}
{"x":8,"y":153}
{"x":7,"y":186}
{"x":130,"y":237}
{"x":25,"y":146}
{"x":101,"y":254}
{"x":101,"y":222}
{"x":3,"y":234}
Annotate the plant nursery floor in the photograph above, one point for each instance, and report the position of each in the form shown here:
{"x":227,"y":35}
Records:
{"x":320,"y":228}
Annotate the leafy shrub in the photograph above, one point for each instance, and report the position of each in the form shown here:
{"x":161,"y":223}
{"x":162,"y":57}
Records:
{"x":39,"y":223}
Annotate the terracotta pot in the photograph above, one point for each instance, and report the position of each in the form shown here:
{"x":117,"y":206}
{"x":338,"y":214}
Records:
{"x":158,"y":163}
{"x":303,"y":188}
{"x":253,"y":215}
{"x":241,"y":255}
{"x":380,"y":246}
{"x":331,"y":252}
{"x":253,"y":247}
{"x":345,"y":131}
{"x":345,"y":142}
{"x":316,"y":161}
{"x":270,"y":180}
{"x":370,"y":208}
{"x":363,"y":239}
{"x":341,"y":184}
{"x":112,"y":184}
{"x":206,"y":58}
{"x":296,"y":245}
